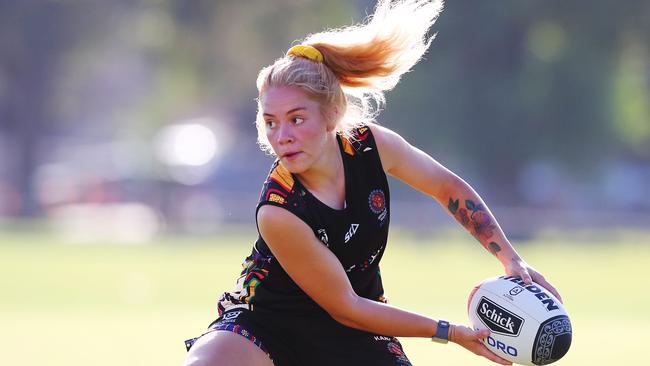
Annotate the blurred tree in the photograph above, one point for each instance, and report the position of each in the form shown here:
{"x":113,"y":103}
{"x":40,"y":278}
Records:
{"x":34,"y":38}
{"x":504,"y":84}
{"x":104,"y":68}
{"x":512,"y":81}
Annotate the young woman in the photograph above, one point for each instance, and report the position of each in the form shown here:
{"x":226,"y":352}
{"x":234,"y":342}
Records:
{"x":311,"y":291}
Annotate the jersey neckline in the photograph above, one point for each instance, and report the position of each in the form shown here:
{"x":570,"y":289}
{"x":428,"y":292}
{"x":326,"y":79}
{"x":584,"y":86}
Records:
{"x":346,"y":178}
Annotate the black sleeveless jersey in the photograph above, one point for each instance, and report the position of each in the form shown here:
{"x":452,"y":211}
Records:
{"x":357,"y":234}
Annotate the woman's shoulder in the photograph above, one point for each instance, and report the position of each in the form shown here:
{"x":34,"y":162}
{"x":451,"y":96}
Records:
{"x":391,"y":146}
{"x":383,"y":133}
{"x":359,"y":140}
{"x":373,"y":133}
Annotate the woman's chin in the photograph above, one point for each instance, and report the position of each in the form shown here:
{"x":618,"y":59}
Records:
{"x":294,"y":166}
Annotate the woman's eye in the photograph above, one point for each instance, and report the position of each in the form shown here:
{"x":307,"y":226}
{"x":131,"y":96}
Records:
{"x":270,"y":124}
{"x":298,"y":120}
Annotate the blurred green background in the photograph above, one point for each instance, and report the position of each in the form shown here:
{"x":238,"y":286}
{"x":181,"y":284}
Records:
{"x":129,"y":170}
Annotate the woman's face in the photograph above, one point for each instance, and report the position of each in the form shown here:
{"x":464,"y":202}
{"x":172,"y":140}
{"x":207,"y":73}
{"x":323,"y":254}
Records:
{"x":295,"y":127}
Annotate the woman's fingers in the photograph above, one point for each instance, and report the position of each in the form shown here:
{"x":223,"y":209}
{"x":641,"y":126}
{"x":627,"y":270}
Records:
{"x":481,"y":350}
{"x":480,"y":334}
{"x":542,"y":281}
{"x":526,"y":277}
{"x":485,"y":352}
{"x":471,"y":340}
{"x":550,"y":287}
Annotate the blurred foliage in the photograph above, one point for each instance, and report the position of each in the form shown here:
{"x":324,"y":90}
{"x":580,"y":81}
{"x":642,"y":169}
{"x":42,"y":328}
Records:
{"x":528,"y":80}
{"x":505,"y":83}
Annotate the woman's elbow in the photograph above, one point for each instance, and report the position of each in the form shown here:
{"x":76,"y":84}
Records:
{"x":344,"y":309}
{"x":342,"y":319}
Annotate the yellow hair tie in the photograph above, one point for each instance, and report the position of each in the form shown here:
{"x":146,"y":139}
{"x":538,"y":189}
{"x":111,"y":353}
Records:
{"x":306,"y":51}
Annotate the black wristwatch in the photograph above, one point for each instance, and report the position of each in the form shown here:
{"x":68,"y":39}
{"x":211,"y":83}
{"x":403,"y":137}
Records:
{"x":442,"y":333}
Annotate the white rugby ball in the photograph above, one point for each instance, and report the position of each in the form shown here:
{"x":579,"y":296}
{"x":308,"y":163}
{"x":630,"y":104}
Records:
{"x":528,"y":325}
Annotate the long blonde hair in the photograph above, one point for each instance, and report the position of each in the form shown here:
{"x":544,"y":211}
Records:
{"x":360,"y":62}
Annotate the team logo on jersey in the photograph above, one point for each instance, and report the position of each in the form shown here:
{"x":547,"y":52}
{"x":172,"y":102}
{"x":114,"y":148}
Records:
{"x":377,"y":201}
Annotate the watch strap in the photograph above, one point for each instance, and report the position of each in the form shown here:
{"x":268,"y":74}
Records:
{"x":442,"y":332}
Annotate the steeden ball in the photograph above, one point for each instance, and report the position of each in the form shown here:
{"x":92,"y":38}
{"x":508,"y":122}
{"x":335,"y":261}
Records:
{"x":528,"y":325}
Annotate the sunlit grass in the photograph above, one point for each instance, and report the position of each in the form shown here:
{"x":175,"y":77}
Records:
{"x":134,"y":305}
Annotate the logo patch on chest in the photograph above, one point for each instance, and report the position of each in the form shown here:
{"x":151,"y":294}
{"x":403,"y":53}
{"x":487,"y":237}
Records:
{"x":377,"y":203}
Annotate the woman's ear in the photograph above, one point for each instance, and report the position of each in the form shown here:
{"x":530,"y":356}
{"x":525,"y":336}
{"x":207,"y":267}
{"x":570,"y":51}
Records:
{"x":332,"y":116}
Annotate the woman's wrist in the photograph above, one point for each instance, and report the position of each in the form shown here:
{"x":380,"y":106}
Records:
{"x":509,"y":259}
{"x":452,"y":333}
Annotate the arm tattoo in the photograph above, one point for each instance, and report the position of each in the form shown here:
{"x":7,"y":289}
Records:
{"x":494,"y":248}
{"x":476,"y":219}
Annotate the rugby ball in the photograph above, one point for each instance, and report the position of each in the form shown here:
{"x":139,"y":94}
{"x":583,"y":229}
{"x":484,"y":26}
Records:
{"x":528,"y":325}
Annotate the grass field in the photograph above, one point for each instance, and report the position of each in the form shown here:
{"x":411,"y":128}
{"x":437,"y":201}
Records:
{"x":134,"y":305}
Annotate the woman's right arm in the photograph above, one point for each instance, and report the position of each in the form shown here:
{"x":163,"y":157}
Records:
{"x":320,"y":274}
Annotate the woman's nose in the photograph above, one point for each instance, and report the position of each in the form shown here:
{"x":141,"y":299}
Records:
{"x":285,"y":135}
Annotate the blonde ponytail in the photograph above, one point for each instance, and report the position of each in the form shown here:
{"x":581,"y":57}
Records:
{"x":360,"y":62}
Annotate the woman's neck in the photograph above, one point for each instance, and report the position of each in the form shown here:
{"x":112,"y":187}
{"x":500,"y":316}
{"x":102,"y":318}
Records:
{"x":327,"y":173}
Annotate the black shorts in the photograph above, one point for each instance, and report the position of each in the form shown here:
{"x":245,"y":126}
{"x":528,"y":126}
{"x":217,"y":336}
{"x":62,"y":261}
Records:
{"x":310,"y":340}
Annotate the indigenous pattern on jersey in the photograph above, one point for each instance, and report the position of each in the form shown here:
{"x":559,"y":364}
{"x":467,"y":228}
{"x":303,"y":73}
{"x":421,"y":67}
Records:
{"x":357,"y":234}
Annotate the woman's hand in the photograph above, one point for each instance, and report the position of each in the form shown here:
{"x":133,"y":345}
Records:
{"x":517,"y":267}
{"x":471,"y":340}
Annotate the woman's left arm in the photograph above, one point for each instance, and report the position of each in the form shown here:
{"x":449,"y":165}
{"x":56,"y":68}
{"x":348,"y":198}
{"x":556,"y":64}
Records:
{"x":419,"y":170}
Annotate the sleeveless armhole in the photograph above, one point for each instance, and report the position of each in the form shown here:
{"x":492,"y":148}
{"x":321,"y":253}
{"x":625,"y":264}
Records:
{"x":362,"y":142}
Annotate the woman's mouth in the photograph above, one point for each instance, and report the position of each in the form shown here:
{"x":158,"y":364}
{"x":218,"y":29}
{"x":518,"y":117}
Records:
{"x":291,"y":156}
